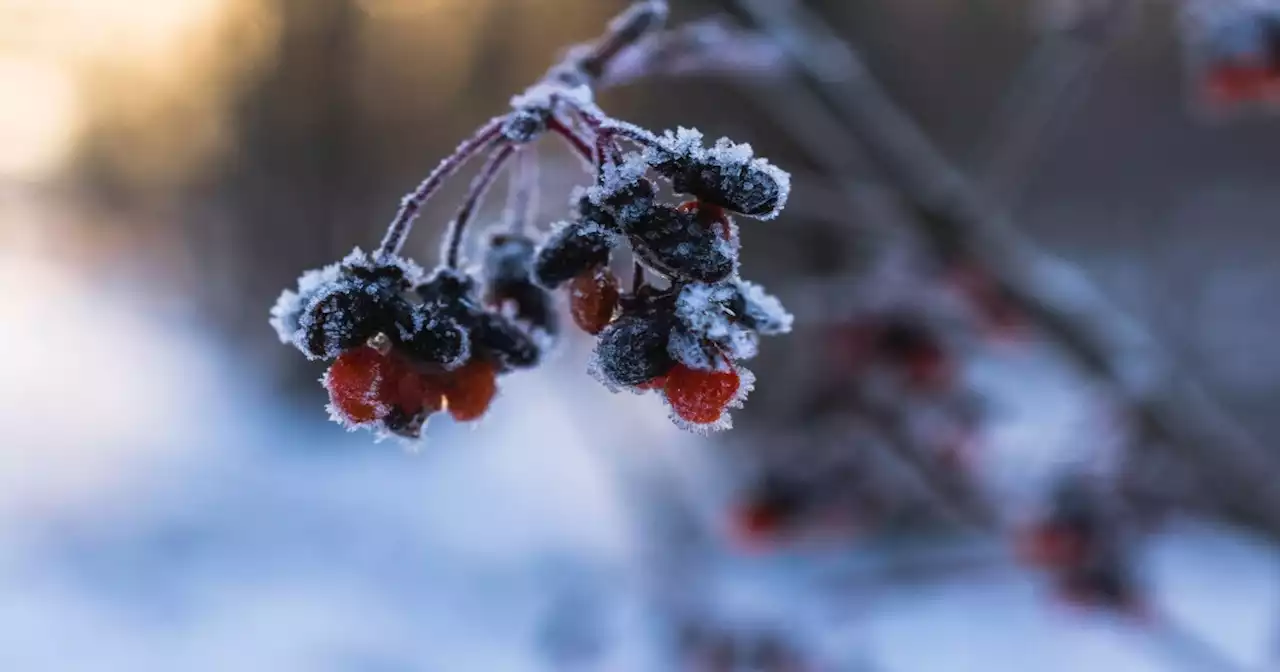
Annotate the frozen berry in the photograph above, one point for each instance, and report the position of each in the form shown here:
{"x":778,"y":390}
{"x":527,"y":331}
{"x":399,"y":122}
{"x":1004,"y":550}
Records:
{"x":701,"y":397}
{"x":593,"y":296}
{"x":354,"y":381}
{"x":509,"y":285}
{"x":570,"y":250}
{"x":631,"y":351}
{"x":470,"y":390}
{"x":497,"y":338}
{"x":727,"y":174}
{"x":675,"y":244}
{"x":366,"y":386}
{"x":436,"y":339}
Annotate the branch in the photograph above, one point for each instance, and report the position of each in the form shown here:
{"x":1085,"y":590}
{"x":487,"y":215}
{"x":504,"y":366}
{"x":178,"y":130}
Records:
{"x":1170,"y":406}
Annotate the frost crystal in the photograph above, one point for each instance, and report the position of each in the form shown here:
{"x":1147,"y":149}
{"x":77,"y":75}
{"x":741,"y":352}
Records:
{"x":728,"y":174}
{"x":674,"y":243}
{"x":570,"y":250}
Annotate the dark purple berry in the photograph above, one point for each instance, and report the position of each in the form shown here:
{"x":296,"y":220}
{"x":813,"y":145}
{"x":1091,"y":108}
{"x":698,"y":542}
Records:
{"x":572,"y":250}
{"x":632,"y":351}
{"x":677,"y":245}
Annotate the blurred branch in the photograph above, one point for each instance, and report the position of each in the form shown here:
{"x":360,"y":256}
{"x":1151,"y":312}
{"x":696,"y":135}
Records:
{"x":1046,"y":90}
{"x":1168,"y":404}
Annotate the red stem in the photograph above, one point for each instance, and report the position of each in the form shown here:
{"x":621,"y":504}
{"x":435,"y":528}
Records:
{"x":475,"y":194}
{"x":412,"y":203}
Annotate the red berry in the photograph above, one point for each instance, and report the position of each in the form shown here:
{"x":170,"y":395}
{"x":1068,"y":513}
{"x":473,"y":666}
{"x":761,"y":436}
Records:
{"x":700,"y":397}
{"x":710,"y":215}
{"x":470,"y":389}
{"x":365,"y":385}
{"x":593,"y":296}
{"x":354,"y":382}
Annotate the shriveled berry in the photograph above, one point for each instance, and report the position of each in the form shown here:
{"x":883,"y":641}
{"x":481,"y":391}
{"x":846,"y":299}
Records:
{"x":631,"y":351}
{"x":495,"y":337}
{"x":677,"y":245}
{"x":571,"y":250}
{"x":509,"y":285}
{"x":701,"y":397}
{"x":593,"y":296}
{"x":470,"y":389}
{"x":436,"y":338}
{"x":726,"y":174}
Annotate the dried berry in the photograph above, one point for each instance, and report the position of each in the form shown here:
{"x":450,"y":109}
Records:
{"x":342,"y":305}
{"x":497,"y":338}
{"x":526,"y":124}
{"x":631,"y":351}
{"x":509,"y":285}
{"x":436,"y":339}
{"x":571,"y":250}
{"x":677,"y":245}
{"x":727,"y":174}
{"x":701,"y":397}
{"x":593,"y":296}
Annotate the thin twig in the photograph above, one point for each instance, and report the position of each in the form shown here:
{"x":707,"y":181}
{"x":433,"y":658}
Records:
{"x":1168,"y":403}
{"x":411,"y":204}
{"x":522,"y":197}
{"x":475,"y":194}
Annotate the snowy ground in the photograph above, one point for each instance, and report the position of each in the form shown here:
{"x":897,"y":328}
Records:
{"x":159,"y":513}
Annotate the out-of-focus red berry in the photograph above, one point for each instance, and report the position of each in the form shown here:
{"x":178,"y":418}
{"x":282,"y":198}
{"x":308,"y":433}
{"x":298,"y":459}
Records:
{"x":1232,"y":83}
{"x":700,"y":397}
{"x":469,"y":389}
{"x":593,"y":296}
{"x":755,"y":523}
{"x":1050,"y":547}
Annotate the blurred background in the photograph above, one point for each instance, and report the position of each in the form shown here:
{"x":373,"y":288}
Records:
{"x":936,"y":471}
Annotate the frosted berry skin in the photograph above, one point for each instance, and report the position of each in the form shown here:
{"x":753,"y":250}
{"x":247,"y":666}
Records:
{"x":492,"y":336}
{"x":570,"y":251}
{"x":677,"y":245}
{"x":701,"y":397}
{"x":593,"y":298}
{"x":740,"y":187}
{"x":351,"y":303}
{"x":470,"y":390}
{"x":633,"y":350}
{"x":436,"y":339}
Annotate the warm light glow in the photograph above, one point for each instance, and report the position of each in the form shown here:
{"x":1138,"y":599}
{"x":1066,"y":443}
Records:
{"x":39,"y":117}
{"x":148,"y":81}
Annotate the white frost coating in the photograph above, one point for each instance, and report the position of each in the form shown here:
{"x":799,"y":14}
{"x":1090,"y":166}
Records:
{"x":544,"y":95}
{"x":746,"y":383}
{"x":770,"y":316}
{"x":726,"y":154}
{"x":369,"y":396}
{"x":616,"y":177}
{"x":596,"y":370}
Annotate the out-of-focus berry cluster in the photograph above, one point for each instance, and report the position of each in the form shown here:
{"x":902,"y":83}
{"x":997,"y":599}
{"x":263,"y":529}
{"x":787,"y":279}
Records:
{"x":405,"y":344}
{"x":1233,"y":50}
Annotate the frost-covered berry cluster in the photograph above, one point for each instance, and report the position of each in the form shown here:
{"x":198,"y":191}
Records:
{"x":404,"y":344}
